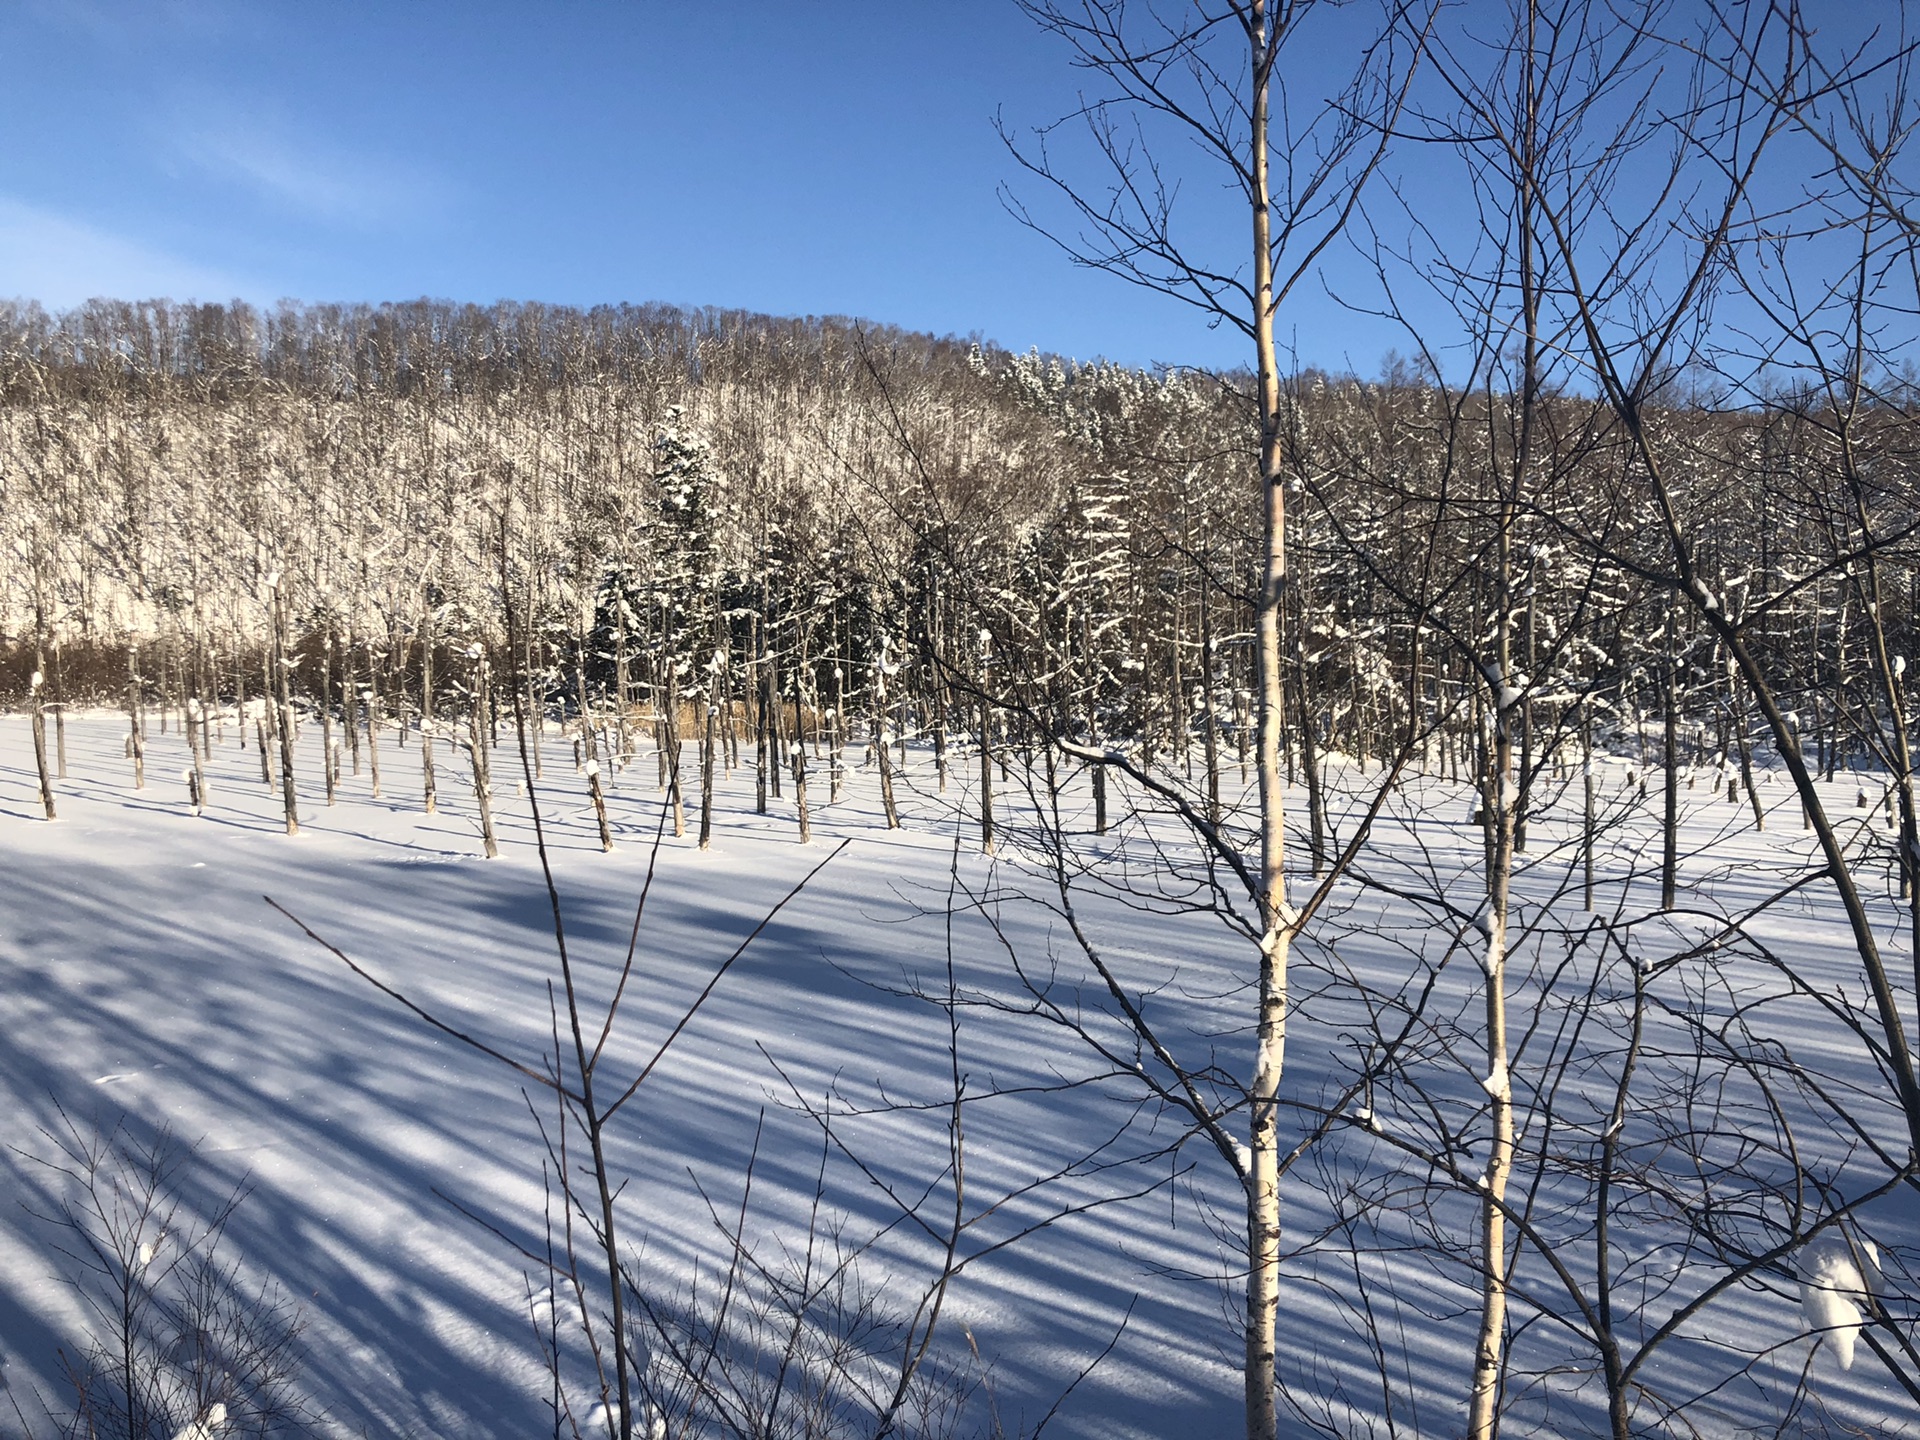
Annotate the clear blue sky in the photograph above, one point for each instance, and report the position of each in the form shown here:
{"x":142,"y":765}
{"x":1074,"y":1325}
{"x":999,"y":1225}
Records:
{"x":796,"y":158}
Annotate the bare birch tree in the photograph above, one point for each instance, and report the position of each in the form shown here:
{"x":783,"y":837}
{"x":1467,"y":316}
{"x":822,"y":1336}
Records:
{"x":1214,"y":76}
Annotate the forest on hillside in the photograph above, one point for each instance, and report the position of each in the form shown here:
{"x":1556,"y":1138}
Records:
{"x":677,"y":511}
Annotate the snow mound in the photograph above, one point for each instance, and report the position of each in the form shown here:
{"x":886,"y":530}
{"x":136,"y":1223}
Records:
{"x":208,"y":1426}
{"x":1839,"y":1275}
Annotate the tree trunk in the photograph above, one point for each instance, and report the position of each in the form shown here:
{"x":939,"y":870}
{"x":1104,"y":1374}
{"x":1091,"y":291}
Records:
{"x":59,"y":713}
{"x":1310,"y":770}
{"x":877,"y":734}
{"x":1588,"y":823}
{"x":197,"y":720}
{"x":599,"y":806}
{"x":1745,"y":741}
{"x":373,"y":725}
{"x":1501,"y":804}
{"x":771,"y":717}
{"x":39,"y":721}
{"x":1210,"y":722}
{"x":429,"y":798}
{"x":939,"y":706}
{"x":986,"y":782}
{"x":670,"y":747}
{"x":480,"y":750}
{"x":620,"y":689}
{"x":836,"y":736}
{"x":1276,"y":917}
{"x":1525,"y":777}
{"x":349,"y":703}
{"x":756,"y":687}
{"x":800,"y":765}
{"x":327,"y":759}
{"x":283,"y":714}
{"x":136,"y":742}
{"x":712,"y":739}
{"x":1670,"y":765}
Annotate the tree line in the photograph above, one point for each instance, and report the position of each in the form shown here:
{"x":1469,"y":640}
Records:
{"x":817,"y":519}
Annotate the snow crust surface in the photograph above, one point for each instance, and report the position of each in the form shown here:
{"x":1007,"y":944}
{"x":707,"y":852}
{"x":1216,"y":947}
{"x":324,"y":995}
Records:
{"x":144,"y":977}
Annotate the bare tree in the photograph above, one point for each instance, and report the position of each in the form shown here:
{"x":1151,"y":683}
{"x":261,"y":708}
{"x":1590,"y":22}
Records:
{"x":1214,"y":76}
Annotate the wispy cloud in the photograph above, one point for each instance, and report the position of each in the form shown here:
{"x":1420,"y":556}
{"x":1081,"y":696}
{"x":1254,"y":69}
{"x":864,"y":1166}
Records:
{"x":308,"y":175}
{"x":120,"y":25}
{"x":61,"y":261}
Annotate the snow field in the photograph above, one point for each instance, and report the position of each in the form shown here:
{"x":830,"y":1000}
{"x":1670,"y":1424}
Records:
{"x":142,"y":956}
{"x":145,"y":975}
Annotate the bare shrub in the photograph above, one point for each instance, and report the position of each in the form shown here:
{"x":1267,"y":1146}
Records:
{"x":180,"y":1341}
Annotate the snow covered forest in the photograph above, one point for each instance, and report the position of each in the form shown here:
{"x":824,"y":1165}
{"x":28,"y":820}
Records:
{"x":750,"y":514}
{"x":974,"y":892}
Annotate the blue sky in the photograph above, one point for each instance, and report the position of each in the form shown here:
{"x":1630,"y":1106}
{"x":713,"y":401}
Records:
{"x":793,"y":158}
{"x":786,"y":156}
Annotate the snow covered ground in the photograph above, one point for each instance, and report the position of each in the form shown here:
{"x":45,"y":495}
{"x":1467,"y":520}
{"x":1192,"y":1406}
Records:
{"x":144,"y":976}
